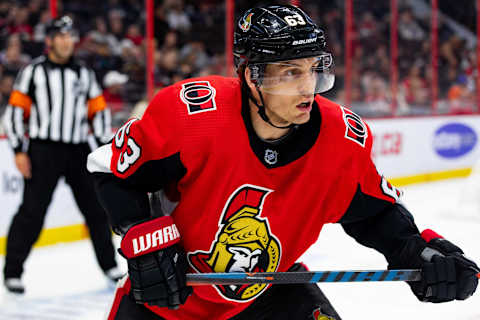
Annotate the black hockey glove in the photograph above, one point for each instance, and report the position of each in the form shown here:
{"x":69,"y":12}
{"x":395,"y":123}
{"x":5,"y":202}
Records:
{"x":446,"y":273}
{"x":156,"y":264}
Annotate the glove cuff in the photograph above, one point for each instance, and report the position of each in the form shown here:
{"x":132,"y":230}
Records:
{"x":439,"y":243}
{"x":149,"y":236}
{"x":428,"y":235}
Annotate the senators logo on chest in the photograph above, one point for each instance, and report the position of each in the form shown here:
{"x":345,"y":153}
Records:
{"x":244,"y":243}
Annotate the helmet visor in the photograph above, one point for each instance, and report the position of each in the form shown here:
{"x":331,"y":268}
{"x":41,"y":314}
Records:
{"x":295,"y":77}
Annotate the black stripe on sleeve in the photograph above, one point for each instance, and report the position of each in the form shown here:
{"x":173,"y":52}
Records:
{"x":62,"y":103}
{"x":11,"y":128}
{"x":75,"y":101}
{"x":49,"y":97}
{"x":33,"y":96}
{"x":89,"y":84}
{"x":101,"y":123}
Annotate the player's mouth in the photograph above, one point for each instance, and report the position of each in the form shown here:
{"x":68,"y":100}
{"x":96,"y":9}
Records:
{"x":305,"y":106}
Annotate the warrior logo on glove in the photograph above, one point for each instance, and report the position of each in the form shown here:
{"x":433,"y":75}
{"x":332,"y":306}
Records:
{"x":243,"y":243}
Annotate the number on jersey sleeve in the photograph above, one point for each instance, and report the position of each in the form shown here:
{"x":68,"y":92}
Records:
{"x":154,"y":137}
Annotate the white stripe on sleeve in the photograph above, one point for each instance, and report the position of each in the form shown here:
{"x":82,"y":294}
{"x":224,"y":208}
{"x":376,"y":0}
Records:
{"x":24,"y":77}
{"x":8,"y":125}
{"x":95,"y":90}
{"x":99,"y":160}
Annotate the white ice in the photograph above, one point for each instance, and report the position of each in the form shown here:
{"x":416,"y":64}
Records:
{"x":64,"y":281}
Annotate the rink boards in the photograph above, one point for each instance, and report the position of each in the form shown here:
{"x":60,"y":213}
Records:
{"x":406,"y":150}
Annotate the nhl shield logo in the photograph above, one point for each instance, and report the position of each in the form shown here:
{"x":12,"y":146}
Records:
{"x":271,"y":156}
{"x":244,"y":243}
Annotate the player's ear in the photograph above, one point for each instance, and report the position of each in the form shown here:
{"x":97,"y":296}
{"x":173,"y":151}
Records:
{"x":248,"y":74}
{"x":48,"y":41}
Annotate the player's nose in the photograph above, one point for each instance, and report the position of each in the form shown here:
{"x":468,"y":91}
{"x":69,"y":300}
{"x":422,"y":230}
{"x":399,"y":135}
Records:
{"x":307,"y":86}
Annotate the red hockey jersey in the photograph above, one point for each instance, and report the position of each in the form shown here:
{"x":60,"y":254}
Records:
{"x":247,"y":205}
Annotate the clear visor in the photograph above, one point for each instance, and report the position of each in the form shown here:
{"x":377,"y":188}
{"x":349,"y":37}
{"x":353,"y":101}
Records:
{"x":304,"y":76}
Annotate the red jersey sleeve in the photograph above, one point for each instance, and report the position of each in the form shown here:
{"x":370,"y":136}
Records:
{"x":156,"y":136}
{"x":372,"y":183}
{"x":372,"y":193}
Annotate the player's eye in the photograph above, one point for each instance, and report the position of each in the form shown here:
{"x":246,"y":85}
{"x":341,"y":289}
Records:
{"x":292,"y":72}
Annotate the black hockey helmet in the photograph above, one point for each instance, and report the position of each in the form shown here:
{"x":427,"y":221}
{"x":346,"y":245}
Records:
{"x":62,"y":24}
{"x":280,"y":33}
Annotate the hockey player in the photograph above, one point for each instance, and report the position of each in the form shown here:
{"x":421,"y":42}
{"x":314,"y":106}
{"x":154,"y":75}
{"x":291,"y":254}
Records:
{"x":258,"y":165}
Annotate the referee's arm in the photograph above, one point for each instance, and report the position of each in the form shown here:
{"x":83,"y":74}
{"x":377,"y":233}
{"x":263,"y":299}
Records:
{"x":18,"y":110}
{"x":99,"y":116}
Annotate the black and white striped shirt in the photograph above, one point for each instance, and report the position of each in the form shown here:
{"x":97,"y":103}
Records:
{"x":59,"y":102}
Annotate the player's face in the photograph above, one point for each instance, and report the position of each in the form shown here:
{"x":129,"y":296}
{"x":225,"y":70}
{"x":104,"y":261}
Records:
{"x":288,"y":90}
{"x":62,"y":45}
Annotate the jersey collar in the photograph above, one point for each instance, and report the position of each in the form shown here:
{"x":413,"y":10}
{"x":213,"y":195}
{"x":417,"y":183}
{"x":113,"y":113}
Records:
{"x":300,"y":139}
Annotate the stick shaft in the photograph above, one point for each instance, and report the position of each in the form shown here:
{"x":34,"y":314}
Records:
{"x":194,"y":279}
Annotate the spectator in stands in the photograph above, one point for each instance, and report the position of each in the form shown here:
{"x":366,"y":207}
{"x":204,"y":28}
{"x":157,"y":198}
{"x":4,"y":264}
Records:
{"x":34,"y":10}
{"x":113,"y":84}
{"x":452,"y":50}
{"x":415,"y":90}
{"x":176,"y":17}
{"x":376,"y":94}
{"x":168,"y":66}
{"x":193,"y":54}
{"x":115,"y":20}
{"x":461,"y":99}
{"x":170,"y":40}
{"x":161,"y":25}
{"x":19,"y":23}
{"x":134,"y":34}
{"x":411,"y":35}
{"x":408,"y":27}
{"x":106,"y":42}
{"x":6,"y":84}
{"x":39,"y":31}
{"x":368,"y":30}
{"x":12,"y":58}
{"x":4,"y":13}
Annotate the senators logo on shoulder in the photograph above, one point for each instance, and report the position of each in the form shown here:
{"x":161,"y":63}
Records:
{"x":244,"y":243}
{"x":356,"y":130}
{"x":199,"y":96}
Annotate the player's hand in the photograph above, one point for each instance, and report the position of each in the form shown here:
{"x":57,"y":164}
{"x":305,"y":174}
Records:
{"x":446,"y":273}
{"x":157,"y":266}
{"x":22,"y":161}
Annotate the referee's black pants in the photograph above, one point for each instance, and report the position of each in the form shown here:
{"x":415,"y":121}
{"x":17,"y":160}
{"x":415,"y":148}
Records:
{"x":50,"y":161}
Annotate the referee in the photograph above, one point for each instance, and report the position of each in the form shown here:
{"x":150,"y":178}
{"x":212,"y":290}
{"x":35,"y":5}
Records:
{"x":61,"y":100}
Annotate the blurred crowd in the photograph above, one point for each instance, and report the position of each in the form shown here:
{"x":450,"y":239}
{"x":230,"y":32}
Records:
{"x":111,"y":40}
{"x":189,"y":41}
{"x":371,"y":93}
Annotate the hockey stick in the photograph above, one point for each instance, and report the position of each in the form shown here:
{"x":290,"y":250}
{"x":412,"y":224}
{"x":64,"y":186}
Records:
{"x":196,"y":279}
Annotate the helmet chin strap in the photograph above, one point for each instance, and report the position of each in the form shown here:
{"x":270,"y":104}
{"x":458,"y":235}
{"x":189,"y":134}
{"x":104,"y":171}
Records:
{"x":261,"y":110}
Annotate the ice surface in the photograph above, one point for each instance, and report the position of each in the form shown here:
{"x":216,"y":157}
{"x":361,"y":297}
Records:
{"x":64,"y":281}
